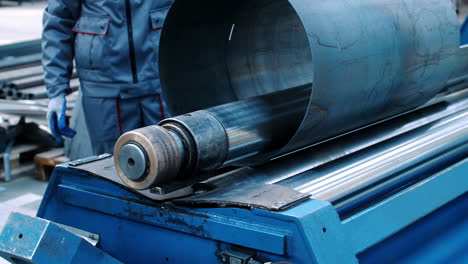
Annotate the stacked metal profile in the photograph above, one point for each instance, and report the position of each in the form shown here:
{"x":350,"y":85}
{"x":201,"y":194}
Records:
{"x":21,"y":73}
{"x":23,"y":101}
{"x":22,"y":88}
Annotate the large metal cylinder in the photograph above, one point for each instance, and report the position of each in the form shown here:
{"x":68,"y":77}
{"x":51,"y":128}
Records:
{"x":351,"y":63}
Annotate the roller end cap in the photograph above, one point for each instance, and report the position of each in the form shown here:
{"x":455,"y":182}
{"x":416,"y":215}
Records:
{"x":147,"y":157}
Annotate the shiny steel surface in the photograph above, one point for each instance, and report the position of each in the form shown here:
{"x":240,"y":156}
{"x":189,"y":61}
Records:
{"x":336,"y":180}
{"x":133,"y":161}
{"x":258,"y":126}
{"x":299,"y":162}
{"x":28,"y":108}
{"x":417,"y":173}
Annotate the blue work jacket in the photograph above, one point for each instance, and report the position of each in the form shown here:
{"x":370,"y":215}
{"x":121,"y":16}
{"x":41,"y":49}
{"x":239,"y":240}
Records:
{"x":114,"y":43}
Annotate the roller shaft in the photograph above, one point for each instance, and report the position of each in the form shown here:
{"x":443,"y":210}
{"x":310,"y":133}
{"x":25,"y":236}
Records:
{"x":302,"y":161}
{"x":211,"y":138}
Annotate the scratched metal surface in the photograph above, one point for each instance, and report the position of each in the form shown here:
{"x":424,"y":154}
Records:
{"x":367,"y":60}
{"x":376,"y":59}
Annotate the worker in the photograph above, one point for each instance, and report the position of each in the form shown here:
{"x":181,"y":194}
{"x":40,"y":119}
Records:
{"x":115,"y":48}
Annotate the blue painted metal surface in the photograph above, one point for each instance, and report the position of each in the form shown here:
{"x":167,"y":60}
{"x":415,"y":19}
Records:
{"x":27,"y":239}
{"x":134,"y":230}
{"x":154,"y":232}
{"x":464,"y":32}
{"x":391,"y":215}
{"x":441,"y":237}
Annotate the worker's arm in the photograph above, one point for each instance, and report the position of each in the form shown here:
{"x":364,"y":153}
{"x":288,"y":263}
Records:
{"x":57,"y":44}
{"x":57,"y":58}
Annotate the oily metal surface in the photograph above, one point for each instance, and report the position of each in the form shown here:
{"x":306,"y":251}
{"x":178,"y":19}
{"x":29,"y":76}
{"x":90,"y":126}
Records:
{"x":367,"y":60}
{"x":257,"y":127}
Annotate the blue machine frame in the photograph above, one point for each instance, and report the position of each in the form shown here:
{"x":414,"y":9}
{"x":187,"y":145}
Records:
{"x":426,"y":222}
{"x":464,"y":32}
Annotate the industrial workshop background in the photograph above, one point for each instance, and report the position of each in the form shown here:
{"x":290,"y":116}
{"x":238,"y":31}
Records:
{"x":302,"y":131}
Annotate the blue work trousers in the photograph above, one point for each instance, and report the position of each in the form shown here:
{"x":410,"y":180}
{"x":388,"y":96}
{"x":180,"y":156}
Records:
{"x":108,"y":118}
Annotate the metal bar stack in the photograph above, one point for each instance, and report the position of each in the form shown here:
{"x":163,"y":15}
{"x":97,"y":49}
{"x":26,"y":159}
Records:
{"x":21,"y":73}
{"x":23,"y":98}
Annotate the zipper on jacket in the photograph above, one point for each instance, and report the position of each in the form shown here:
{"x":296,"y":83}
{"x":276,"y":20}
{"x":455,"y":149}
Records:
{"x":131,"y":45}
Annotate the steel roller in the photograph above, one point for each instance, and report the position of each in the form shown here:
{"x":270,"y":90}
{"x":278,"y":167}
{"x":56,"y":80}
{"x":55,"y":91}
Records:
{"x":356,"y":178}
{"x":247,"y":55}
{"x":334,"y":151}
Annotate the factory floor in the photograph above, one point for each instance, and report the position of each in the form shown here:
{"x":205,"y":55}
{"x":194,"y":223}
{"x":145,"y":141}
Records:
{"x":23,"y":194}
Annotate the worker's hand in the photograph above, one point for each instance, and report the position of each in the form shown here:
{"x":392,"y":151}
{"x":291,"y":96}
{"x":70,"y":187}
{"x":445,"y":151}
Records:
{"x":57,"y":118}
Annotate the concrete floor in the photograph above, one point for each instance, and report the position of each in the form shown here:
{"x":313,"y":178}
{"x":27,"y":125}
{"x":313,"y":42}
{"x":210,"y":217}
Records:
{"x":23,"y":195}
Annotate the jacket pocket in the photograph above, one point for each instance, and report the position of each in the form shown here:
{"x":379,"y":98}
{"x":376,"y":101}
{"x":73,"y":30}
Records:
{"x":91,"y":42}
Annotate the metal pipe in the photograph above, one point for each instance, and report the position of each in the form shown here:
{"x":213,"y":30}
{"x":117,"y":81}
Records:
{"x":19,"y":49}
{"x":257,"y":48}
{"x":29,"y":108}
{"x":21,"y":73}
{"x":27,"y":82}
{"x":337,"y":180}
{"x":40,"y":92}
{"x":11,"y":63}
